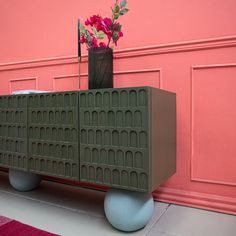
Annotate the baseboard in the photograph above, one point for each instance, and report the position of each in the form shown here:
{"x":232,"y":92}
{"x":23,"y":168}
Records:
{"x":169,"y":195}
{"x":195,"y":199}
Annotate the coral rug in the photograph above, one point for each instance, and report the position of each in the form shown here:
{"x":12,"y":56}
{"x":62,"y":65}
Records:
{"x":9,"y":227}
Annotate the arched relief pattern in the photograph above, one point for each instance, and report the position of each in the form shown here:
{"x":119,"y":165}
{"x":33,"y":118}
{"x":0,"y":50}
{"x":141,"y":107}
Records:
{"x":119,"y":151}
{"x":13,"y":134}
{"x":53,"y":133}
{"x":112,"y":135}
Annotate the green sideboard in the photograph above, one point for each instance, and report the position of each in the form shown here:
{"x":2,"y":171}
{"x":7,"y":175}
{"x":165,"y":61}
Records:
{"x":123,"y":138}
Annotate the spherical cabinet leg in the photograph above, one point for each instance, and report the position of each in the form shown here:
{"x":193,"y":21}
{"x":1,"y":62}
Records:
{"x":127,"y":210}
{"x":23,"y":180}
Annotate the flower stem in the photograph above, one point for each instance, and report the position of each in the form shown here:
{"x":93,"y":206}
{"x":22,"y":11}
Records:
{"x":113,"y":22}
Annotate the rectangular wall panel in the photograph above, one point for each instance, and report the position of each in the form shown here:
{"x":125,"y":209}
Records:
{"x":22,"y":84}
{"x":214,"y":124}
{"x":131,"y":78}
{"x":66,"y":83}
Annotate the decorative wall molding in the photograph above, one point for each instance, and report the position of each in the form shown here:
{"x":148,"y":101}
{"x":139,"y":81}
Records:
{"x":138,"y":71}
{"x":213,"y":66}
{"x":54,"y":80}
{"x":146,"y":71}
{"x":158,"y":70}
{"x":194,"y":199}
{"x":22,"y":79}
{"x":183,"y":46}
{"x":202,"y":44}
{"x":193,"y":178}
{"x":54,"y":61}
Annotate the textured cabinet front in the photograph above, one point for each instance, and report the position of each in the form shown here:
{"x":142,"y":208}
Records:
{"x":53,"y":134}
{"x":13,"y":131}
{"x":114,"y":135}
{"x":122,"y":138}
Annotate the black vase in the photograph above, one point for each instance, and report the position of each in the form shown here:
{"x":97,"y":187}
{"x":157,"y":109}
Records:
{"x":100,"y":67}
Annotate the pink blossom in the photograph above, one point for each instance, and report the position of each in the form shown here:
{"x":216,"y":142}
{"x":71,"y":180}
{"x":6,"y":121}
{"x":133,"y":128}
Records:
{"x":120,"y":34}
{"x":109,"y":35}
{"x":94,"y":43}
{"x":104,"y":25}
{"x":107,"y":22}
{"x":103,"y":45}
{"x":98,"y":27}
{"x":92,"y":20}
{"x":83,"y":40}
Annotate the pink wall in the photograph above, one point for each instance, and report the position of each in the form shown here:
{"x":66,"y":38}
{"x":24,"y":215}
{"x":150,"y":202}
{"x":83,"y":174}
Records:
{"x":188,"y":47}
{"x":41,"y":28}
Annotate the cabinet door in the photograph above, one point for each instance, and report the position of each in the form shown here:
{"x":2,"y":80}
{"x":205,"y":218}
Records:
{"x":13,"y":131}
{"x":114,"y":137}
{"x":53,"y":134}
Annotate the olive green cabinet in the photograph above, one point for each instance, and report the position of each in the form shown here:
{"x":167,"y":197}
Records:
{"x":123,"y":138}
{"x":13,"y":132}
{"x":53,"y":134}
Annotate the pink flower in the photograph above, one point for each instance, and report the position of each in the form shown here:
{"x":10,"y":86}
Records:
{"x":94,"y":43}
{"x":103,"y":45}
{"x":83,"y":40}
{"x":120,"y":34}
{"x":98,"y":25}
{"x":104,"y":25}
{"x":92,"y":20}
{"x":107,"y":22}
{"x":99,"y":29}
{"x":109,"y":35}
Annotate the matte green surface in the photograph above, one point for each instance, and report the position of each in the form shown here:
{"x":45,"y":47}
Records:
{"x":124,"y":138}
{"x":53,"y":134}
{"x":13,"y":131}
{"x":114,"y":137}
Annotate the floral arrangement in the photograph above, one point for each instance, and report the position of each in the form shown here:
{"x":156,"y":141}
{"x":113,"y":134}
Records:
{"x":98,"y":30}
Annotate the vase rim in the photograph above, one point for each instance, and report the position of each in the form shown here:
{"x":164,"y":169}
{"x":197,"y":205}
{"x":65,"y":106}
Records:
{"x":101,"y":49}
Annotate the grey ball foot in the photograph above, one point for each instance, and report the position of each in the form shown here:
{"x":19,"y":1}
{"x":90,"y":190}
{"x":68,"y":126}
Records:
{"x":127,"y":210}
{"x":23,"y":181}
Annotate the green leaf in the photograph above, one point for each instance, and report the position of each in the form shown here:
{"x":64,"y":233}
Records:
{"x":115,"y":36}
{"x":89,"y":38}
{"x":117,"y":9}
{"x":100,"y":35}
{"x":116,"y":27}
{"x":123,"y":3}
{"x":124,"y":11}
{"x":95,"y":31}
{"x":82,"y":29}
{"x":116,"y":16}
